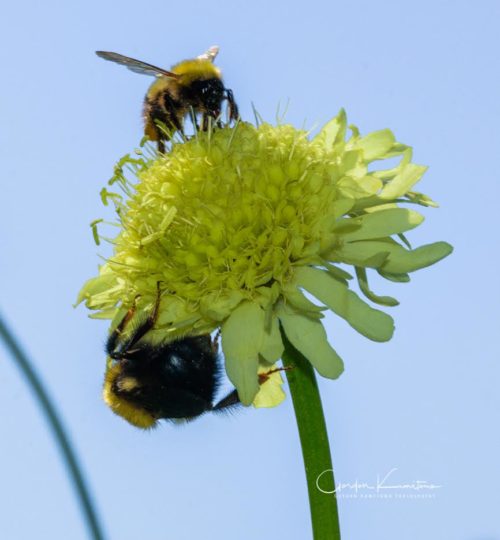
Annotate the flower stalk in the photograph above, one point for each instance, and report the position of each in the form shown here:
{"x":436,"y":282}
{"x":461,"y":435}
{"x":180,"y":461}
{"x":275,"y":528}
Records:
{"x":58,"y":431}
{"x":314,"y":442}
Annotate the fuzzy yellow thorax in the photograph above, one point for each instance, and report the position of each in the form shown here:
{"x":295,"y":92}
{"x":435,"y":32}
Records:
{"x":191,"y":70}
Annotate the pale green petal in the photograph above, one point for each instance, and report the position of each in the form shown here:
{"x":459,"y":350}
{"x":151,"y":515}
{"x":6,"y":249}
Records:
{"x":402,"y":183}
{"x":375,"y":145}
{"x":333,"y":131}
{"x":351,"y":164}
{"x":341,"y":207}
{"x":372,"y":323}
{"x":336,"y":272}
{"x":367,"y":253}
{"x":405,"y":240}
{"x":356,"y":188}
{"x":104,"y":314}
{"x":242,"y":339}
{"x":396,"y":150}
{"x":218,"y":304}
{"x":272,"y":345}
{"x":96,"y":285}
{"x":422,"y":199}
{"x":297,"y":299}
{"x":173,"y":310}
{"x":381,"y":205}
{"x":390,"y":256}
{"x":402,"y":261}
{"x":105,"y":299}
{"x":384,"y":223}
{"x":365,"y":289}
{"x":397,"y":278}
{"x":388,"y":174}
{"x":309,"y":337}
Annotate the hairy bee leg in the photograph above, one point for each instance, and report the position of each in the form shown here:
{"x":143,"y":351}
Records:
{"x":126,"y":319}
{"x":232,"y":399}
{"x":227,"y":402}
{"x":233,"y":108}
{"x":118,"y":331}
{"x":153,"y":316}
{"x":166,"y":114}
{"x":173,"y":118}
{"x":150,"y":321}
{"x":204,"y":122}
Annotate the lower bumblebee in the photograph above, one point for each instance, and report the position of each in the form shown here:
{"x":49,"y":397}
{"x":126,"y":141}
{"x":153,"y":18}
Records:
{"x":191,"y":86}
{"x":175,"y":380}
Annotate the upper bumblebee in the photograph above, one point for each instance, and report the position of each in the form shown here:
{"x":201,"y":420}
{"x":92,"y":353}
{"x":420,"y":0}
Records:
{"x":237,"y":224}
{"x":192,"y":87}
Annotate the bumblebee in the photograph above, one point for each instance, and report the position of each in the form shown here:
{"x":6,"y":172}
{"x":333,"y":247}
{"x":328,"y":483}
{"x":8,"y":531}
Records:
{"x":176,"y":380}
{"x":191,"y":87}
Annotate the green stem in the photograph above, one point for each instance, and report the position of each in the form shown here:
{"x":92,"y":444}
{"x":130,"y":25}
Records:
{"x":58,"y":431}
{"x":314,"y":442}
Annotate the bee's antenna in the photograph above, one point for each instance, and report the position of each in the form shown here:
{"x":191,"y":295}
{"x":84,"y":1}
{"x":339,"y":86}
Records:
{"x":210,"y":54}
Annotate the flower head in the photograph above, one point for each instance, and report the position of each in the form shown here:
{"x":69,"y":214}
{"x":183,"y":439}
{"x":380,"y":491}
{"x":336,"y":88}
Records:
{"x":237,"y":224}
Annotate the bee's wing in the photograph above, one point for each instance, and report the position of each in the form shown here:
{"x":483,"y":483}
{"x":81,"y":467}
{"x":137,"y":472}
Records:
{"x":210,"y":54}
{"x":136,"y":65}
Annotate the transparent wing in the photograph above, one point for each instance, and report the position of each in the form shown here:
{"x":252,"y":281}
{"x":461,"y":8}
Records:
{"x":135,"y":65}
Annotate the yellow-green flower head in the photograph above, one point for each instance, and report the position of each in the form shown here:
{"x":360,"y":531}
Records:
{"x":238,"y":223}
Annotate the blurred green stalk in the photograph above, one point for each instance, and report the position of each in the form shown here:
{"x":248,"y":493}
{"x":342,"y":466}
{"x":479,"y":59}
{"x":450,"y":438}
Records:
{"x":58,"y":431}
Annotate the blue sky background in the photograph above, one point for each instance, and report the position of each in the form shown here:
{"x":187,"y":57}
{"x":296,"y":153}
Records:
{"x":426,"y":403}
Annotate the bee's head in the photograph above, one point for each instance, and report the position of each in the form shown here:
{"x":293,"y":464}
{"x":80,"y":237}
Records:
{"x":122,"y":386}
{"x":209,"y":93}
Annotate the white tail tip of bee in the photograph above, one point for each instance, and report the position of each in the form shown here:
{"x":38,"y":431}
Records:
{"x":210,"y":54}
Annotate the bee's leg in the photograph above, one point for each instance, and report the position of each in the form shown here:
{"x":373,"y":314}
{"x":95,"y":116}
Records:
{"x":233,"y":108}
{"x":156,"y":121}
{"x":232,"y":399}
{"x":173,"y":119}
{"x":149,"y":323}
{"x":227,"y":402}
{"x":126,"y":319}
{"x":118,"y":331}
{"x":204,"y":121}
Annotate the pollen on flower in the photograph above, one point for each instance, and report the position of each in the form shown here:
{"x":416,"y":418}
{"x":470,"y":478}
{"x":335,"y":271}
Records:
{"x":236,"y":223}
